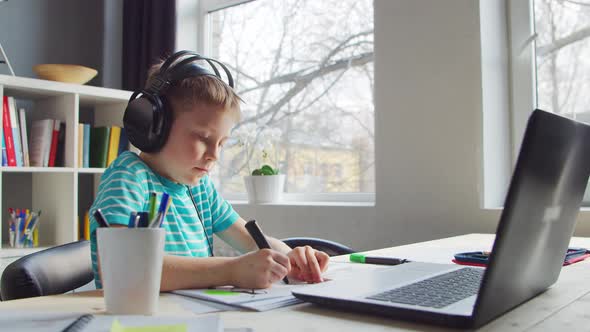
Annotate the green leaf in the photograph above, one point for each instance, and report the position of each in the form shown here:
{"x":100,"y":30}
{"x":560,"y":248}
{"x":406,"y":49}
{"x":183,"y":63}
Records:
{"x":267,"y":170}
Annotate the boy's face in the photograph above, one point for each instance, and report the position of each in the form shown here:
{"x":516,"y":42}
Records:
{"x":196,"y":138}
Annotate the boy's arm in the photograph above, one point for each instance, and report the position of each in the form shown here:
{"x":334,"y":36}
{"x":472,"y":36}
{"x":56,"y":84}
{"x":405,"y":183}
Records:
{"x":180,"y":272}
{"x":238,"y":237}
{"x":305,"y":263}
{"x":255,"y":270}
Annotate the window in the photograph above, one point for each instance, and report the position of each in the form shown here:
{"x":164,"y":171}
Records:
{"x":563,"y":57}
{"x":305,"y":67}
{"x":550,"y":60}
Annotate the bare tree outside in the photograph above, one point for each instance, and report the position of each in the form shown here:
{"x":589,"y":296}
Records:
{"x":563,"y":57}
{"x":306,"y":68}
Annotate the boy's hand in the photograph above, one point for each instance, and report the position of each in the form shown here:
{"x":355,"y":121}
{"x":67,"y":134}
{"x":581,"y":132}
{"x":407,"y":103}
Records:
{"x":307,"y":264}
{"x":259,"y":269}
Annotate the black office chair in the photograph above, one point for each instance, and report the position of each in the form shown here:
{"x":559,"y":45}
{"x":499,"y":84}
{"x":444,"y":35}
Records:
{"x":329,"y":247}
{"x":56,"y":270}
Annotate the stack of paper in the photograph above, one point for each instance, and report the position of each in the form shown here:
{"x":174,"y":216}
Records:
{"x":279,"y":295}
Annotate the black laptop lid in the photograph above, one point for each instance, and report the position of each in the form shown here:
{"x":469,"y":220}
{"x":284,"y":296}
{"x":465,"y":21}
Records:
{"x":539,"y":214}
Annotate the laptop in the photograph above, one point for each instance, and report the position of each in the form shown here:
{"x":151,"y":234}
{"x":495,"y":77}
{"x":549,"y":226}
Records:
{"x":532,"y":238}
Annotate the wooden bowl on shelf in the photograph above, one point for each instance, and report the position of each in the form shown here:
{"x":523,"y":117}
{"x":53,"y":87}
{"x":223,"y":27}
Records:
{"x":65,"y":73}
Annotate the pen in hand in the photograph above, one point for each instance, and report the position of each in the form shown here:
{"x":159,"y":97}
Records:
{"x":256,"y":233}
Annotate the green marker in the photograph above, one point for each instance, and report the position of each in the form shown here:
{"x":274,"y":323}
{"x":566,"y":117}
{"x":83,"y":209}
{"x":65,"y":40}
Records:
{"x":152,"y":207}
{"x":361,"y":258}
{"x":220,"y":292}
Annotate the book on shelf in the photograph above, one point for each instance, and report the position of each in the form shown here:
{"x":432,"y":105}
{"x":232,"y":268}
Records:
{"x":53,"y":146}
{"x":86,"y":147}
{"x":4,"y":158}
{"x":99,"y":145}
{"x":7,"y":130}
{"x":19,"y":143}
{"x":41,"y":133}
{"x":18,"y":152}
{"x":23,"y":133}
{"x":114,"y":138}
{"x":60,"y":157}
{"x":80,"y":153}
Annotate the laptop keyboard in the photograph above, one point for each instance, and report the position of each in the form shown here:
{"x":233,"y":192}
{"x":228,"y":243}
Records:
{"x":436,"y":292}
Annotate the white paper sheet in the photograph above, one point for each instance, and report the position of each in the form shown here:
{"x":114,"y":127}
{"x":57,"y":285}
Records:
{"x":279,"y":295}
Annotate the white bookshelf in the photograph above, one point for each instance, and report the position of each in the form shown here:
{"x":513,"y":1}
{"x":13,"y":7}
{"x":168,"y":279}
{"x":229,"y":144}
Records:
{"x":56,"y":190}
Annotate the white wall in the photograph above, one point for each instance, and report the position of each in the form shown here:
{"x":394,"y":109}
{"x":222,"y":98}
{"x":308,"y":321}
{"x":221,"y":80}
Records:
{"x":429,"y":135}
{"x":86,"y":32}
{"x":57,"y":31}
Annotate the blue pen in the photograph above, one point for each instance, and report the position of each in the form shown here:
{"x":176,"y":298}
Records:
{"x":131,"y":223}
{"x":22,"y":221}
{"x":161,"y":210}
{"x":163,"y":214}
{"x":163,"y":203}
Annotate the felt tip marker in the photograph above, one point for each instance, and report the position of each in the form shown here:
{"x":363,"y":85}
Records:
{"x":361,"y":258}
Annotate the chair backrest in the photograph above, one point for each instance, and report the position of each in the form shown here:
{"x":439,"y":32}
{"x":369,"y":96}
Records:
{"x":329,"y":247}
{"x":56,"y":270}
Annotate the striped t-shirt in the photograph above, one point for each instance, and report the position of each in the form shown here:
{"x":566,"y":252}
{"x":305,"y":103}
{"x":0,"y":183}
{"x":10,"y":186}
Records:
{"x":125,"y":188}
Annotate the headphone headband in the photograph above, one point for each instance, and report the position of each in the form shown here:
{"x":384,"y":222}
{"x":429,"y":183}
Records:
{"x":174,"y":70}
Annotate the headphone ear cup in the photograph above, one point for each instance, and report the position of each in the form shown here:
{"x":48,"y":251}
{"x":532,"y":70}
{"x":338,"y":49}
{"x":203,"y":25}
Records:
{"x":165,"y":117}
{"x":141,"y":122}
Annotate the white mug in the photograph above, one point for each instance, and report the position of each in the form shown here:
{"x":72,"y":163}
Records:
{"x":131,"y":268}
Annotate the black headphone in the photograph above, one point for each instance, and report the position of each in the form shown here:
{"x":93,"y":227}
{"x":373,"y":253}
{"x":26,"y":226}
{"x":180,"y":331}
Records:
{"x":147,"y":121}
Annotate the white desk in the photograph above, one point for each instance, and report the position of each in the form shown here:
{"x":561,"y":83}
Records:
{"x":562,"y":307}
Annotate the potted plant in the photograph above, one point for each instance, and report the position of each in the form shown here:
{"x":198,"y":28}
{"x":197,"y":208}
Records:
{"x":264,"y":184}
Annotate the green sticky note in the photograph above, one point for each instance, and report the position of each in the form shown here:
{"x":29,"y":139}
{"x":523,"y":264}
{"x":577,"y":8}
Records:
{"x":117,"y":327}
{"x":220,"y":292}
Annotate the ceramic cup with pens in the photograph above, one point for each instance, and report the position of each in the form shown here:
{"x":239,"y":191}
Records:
{"x":131,"y":268}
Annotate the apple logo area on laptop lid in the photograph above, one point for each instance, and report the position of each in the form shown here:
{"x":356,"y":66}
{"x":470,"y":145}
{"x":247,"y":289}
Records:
{"x":532,"y":237}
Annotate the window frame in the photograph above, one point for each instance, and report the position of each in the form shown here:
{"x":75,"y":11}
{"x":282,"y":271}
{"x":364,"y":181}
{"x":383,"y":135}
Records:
{"x":523,"y":73}
{"x":203,"y":46}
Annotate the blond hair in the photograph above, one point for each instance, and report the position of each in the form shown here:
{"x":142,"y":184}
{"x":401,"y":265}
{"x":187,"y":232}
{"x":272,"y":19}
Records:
{"x":202,"y":89}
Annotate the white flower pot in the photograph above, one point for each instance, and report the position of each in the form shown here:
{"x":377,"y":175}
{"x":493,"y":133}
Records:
{"x":264,"y":188}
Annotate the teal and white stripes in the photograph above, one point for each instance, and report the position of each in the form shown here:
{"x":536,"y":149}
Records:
{"x":125,"y":188}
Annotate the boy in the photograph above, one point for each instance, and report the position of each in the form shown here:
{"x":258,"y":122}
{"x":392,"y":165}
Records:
{"x":204,"y":109}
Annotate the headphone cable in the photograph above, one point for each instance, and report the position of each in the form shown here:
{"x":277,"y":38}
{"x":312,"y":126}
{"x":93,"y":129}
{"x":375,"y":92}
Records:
{"x":190,"y":192}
